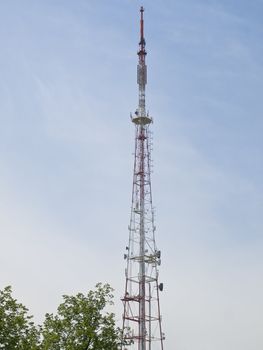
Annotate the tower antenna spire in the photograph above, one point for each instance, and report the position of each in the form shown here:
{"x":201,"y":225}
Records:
{"x":142,"y":41}
{"x":141,"y":317}
{"x":142,"y":74}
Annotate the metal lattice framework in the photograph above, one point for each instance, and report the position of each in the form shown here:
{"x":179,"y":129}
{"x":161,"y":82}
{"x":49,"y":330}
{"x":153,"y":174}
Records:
{"x":142,"y":328}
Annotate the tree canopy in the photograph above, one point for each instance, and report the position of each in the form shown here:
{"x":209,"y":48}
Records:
{"x":17,"y":330}
{"x":81,"y":323}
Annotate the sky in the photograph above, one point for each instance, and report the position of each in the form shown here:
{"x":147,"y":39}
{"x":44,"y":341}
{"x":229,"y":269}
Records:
{"x":67,"y":87}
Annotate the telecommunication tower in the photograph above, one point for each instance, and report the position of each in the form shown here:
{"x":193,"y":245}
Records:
{"x":142,"y":329}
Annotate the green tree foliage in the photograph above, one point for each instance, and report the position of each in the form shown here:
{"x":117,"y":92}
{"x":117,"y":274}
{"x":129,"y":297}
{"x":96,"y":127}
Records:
{"x":17,"y":330}
{"x":81,"y":323}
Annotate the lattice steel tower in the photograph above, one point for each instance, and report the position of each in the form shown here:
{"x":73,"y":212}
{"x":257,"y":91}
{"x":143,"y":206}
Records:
{"x":142,"y":328}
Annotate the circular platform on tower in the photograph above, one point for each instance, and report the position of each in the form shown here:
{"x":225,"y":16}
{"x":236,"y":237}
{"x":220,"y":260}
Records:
{"x":138,"y":120}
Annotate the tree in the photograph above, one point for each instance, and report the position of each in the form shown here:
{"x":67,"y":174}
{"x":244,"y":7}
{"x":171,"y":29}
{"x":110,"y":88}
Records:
{"x":81,"y":323}
{"x":17,"y":330}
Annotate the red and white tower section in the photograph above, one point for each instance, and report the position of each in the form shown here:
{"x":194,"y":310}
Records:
{"x":142,"y":328}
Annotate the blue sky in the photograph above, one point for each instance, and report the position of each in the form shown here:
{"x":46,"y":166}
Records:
{"x":67,"y":87}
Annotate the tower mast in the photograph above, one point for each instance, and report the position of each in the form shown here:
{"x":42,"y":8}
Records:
{"x":141,"y":318}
